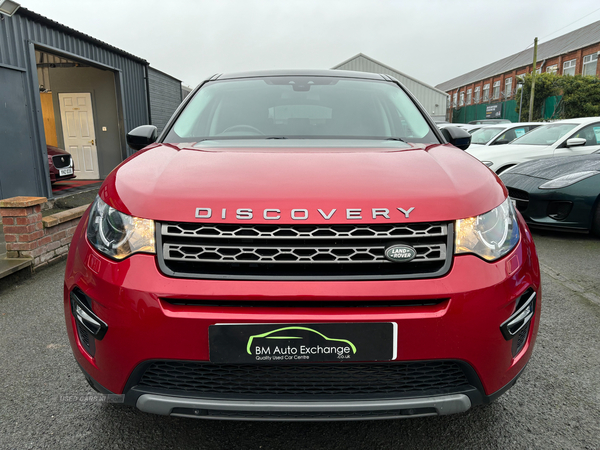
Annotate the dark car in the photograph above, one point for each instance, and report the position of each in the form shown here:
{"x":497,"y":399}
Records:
{"x":60,"y":164}
{"x":558,"y":192}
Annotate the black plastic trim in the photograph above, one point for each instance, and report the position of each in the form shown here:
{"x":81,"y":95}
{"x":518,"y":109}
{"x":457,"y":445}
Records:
{"x":492,"y":397}
{"x":80,"y":299}
{"x":132,"y":392}
{"x":526,"y":302}
{"x":476,"y":395}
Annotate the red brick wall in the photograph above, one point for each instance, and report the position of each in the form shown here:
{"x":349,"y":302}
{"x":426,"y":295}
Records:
{"x":27,"y":236}
{"x":559,"y":60}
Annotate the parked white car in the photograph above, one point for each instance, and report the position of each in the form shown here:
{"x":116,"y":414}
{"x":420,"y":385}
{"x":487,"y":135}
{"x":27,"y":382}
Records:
{"x":500,"y":134}
{"x":469,"y":128}
{"x":563,"y":138}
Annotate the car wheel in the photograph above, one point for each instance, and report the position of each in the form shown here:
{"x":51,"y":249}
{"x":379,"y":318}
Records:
{"x":596,"y":220}
{"x":503,"y":169}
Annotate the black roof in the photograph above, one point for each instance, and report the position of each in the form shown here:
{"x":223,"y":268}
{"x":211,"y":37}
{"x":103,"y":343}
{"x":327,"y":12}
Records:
{"x":53,"y":24}
{"x":300,"y":72}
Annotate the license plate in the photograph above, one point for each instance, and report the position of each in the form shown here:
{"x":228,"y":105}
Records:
{"x":297,"y":343}
{"x":67,"y":171}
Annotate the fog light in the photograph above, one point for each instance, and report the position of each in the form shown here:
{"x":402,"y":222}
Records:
{"x":559,"y":210}
{"x":85,"y":317}
{"x":521,"y":317}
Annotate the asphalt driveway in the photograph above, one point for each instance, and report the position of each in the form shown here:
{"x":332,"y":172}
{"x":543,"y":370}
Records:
{"x":46,"y":403}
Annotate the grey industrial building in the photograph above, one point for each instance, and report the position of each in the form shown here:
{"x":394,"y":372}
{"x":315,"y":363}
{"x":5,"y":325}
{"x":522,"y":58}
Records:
{"x":55,"y":83}
{"x":432,"y":99}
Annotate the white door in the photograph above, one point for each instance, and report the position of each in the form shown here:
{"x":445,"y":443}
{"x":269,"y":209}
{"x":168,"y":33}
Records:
{"x":79,"y":135}
{"x":591,"y":134}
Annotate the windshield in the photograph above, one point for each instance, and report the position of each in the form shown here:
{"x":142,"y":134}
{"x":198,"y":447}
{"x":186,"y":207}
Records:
{"x":485,"y":135}
{"x":300,"y":107}
{"x":545,"y":135}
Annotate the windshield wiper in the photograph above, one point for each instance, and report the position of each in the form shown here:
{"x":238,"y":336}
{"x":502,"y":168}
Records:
{"x":395,"y":139}
{"x":276,"y":137}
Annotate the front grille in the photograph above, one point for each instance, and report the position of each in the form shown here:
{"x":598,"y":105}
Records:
{"x":518,"y":194}
{"x":326,"y":380}
{"x":302,"y":251}
{"x":521,"y":198}
{"x":61,"y":161}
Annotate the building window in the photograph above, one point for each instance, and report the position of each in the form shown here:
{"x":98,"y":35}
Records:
{"x":590,"y":62}
{"x":469,"y":96}
{"x":486,"y":92}
{"x":496,"y":93}
{"x":552,"y":69}
{"x":454,"y":99}
{"x":508,"y":87}
{"x":477,"y":93}
{"x":569,"y":67}
{"x":462,"y":98}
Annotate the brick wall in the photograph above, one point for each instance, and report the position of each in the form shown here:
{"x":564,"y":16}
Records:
{"x":558,"y":60}
{"x":28,"y":235}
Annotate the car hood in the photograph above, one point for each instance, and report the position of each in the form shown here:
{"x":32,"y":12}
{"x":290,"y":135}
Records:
{"x":53,"y":151}
{"x":474,"y":146}
{"x":169,"y":182}
{"x":551,"y":168}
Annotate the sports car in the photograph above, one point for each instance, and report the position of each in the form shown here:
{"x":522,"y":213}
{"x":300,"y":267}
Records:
{"x":558,"y":192}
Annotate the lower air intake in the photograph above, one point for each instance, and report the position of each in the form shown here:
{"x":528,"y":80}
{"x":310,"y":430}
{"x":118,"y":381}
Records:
{"x":325,"y":380}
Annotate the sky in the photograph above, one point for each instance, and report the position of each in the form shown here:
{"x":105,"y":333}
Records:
{"x":431,"y":40}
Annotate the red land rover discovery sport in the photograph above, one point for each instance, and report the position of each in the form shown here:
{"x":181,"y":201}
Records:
{"x":302,"y":245}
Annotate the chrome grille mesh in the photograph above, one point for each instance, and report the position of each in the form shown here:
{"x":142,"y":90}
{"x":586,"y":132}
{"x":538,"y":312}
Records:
{"x":305,"y":231}
{"x":197,"y":250}
{"x":294,"y":255}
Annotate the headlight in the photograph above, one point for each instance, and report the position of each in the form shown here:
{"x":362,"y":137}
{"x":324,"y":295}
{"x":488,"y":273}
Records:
{"x":568,"y":180}
{"x":491,"y":235}
{"x":118,"y":235}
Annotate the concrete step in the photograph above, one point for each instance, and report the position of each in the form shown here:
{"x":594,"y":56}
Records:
{"x":12,"y":265}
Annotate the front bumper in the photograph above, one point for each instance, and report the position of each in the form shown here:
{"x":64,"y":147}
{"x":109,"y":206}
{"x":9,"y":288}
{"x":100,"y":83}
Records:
{"x":290,"y":410}
{"x":566,"y":208}
{"x":135,"y":301}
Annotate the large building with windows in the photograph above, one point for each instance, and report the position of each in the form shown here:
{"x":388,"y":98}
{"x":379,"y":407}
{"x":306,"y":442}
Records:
{"x":575,"y":53}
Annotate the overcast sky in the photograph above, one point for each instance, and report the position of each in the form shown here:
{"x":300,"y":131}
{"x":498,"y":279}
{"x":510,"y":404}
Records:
{"x":432,"y":41}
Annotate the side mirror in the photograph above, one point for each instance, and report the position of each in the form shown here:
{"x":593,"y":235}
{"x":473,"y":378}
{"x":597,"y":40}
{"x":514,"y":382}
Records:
{"x":501,"y":142}
{"x":140,"y":137}
{"x":457,"y":137}
{"x":576,"y":142}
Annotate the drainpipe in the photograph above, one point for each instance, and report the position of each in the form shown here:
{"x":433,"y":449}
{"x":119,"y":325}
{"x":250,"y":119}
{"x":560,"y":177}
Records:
{"x":542,"y":66}
{"x":147,"y":78}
